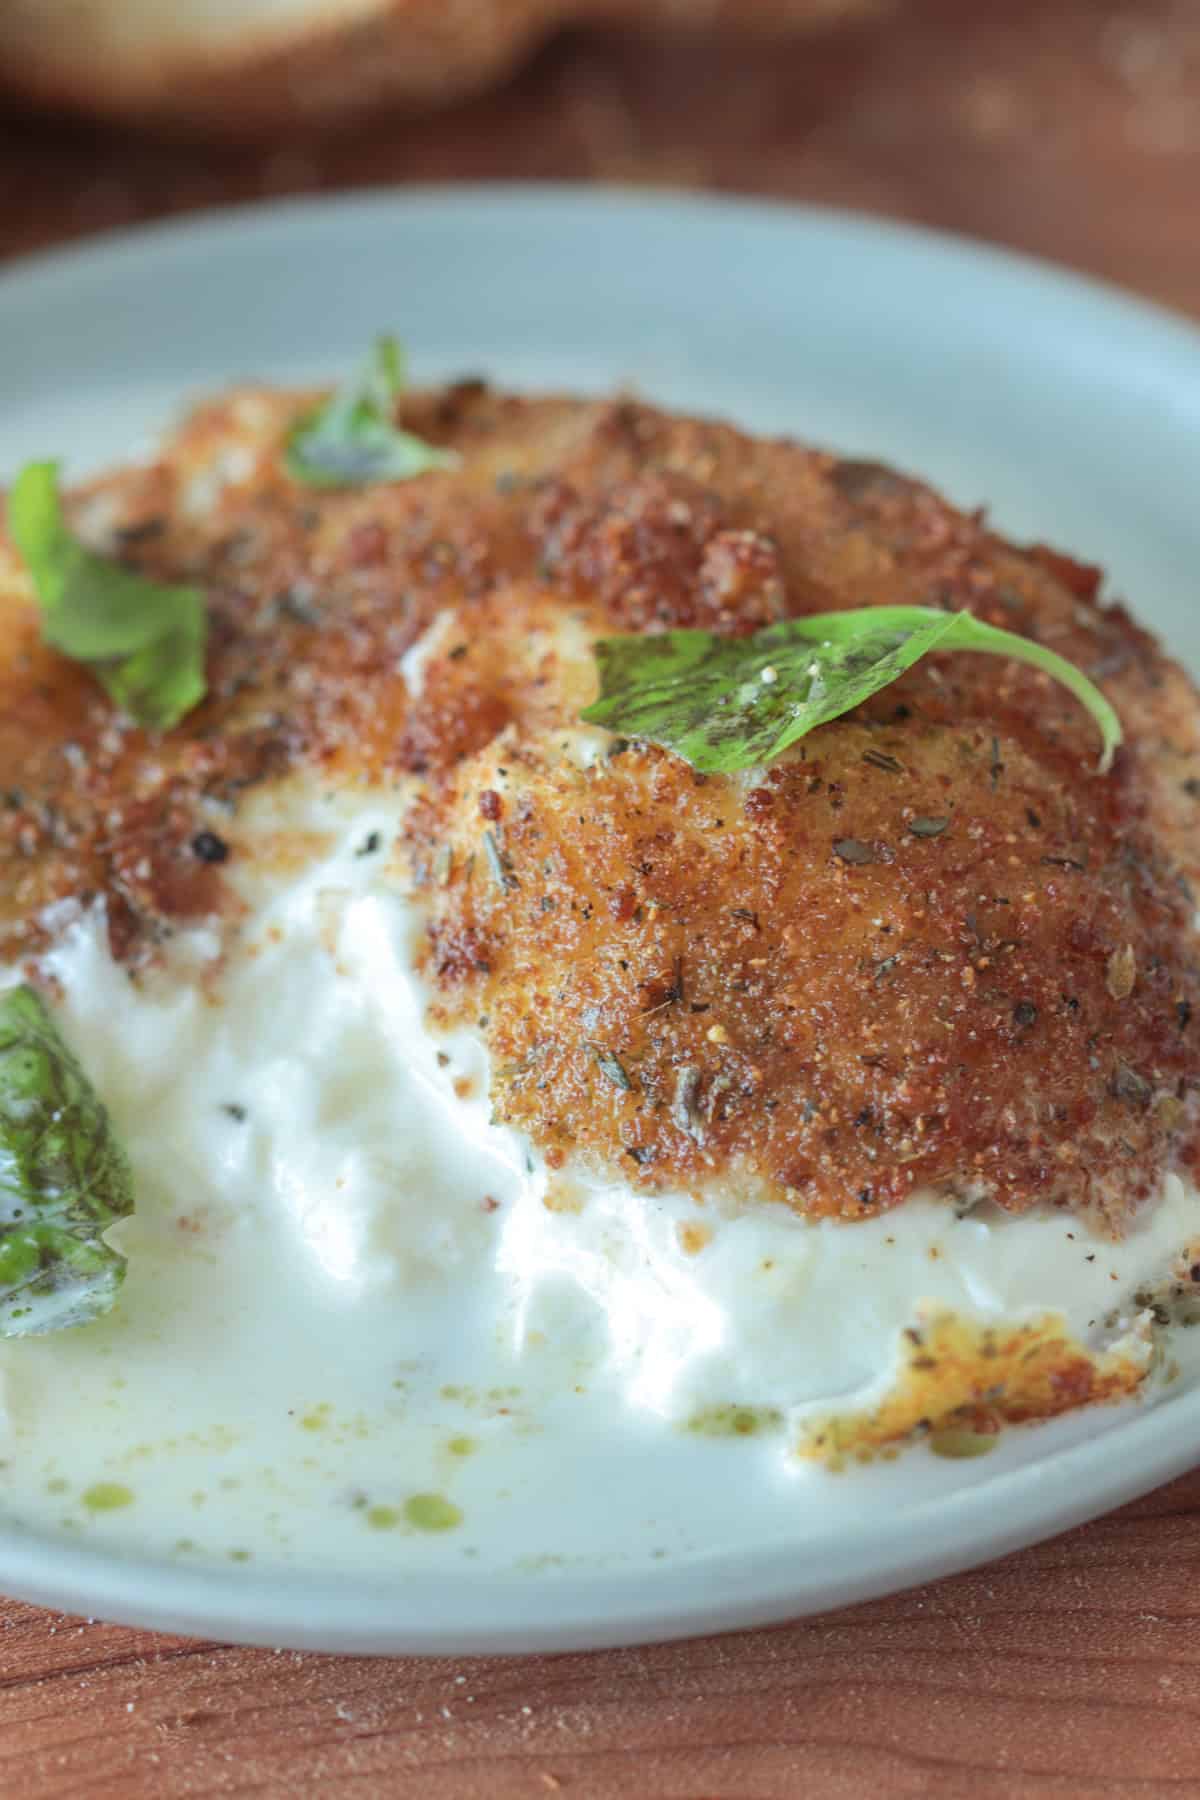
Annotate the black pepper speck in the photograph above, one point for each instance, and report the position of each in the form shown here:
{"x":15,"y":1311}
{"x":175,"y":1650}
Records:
{"x":209,"y":847}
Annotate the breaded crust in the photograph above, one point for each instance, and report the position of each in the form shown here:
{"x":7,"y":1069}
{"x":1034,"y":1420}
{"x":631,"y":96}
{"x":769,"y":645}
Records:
{"x":932,"y":948}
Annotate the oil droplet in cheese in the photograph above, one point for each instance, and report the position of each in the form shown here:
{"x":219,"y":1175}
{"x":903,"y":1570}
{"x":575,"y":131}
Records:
{"x":107,"y":1496}
{"x":432,"y":1512}
{"x":383,"y":1518}
{"x":735,"y":1421}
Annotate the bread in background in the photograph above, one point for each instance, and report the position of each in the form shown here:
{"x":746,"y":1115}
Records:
{"x":248,"y":68}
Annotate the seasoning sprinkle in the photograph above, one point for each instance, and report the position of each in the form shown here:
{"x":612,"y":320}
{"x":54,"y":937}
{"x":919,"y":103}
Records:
{"x":498,"y":863}
{"x":674,"y":994}
{"x":1131,"y":1087}
{"x":142,"y":530}
{"x":610,"y":1066}
{"x":879,"y":759}
{"x":209,"y":847}
{"x":716,"y":1098}
{"x":1120,"y":974}
{"x":852,"y":850}
{"x":685,"y":1108}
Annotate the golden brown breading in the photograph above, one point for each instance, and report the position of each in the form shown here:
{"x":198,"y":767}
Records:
{"x":932,"y":947}
{"x":956,"y":1378}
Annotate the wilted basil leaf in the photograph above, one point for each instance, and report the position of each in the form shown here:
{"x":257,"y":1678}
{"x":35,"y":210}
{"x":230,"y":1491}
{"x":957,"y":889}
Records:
{"x":63,"y":1179}
{"x":353,"y":439}
{"x":143,"y":641}
{"x":726,"y":703}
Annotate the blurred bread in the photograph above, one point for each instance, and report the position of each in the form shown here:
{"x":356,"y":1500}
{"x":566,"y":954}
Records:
{"x":246,"y":68}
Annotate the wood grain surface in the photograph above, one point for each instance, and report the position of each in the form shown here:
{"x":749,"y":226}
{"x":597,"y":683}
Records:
{"x":1071,"y":1670}
{"x":1066,"y":127}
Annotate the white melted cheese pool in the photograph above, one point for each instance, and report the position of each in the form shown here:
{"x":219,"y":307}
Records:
{"x":352,"y":1327}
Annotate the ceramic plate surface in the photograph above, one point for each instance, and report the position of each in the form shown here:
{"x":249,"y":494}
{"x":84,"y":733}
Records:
{"x":1072,"y":411}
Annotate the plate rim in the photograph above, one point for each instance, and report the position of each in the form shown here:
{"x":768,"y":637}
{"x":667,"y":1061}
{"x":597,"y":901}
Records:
{"x":700,"y":1592}
{"x":689,"y":1597}
{"x":245,"y":218}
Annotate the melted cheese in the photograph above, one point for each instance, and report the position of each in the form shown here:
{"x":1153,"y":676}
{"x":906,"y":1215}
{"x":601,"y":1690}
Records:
{"x":350,"y":1295}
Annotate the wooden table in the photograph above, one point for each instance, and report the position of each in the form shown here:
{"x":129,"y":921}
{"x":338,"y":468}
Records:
{"x":1066,"y":127}
{"x":1071,"y":1671}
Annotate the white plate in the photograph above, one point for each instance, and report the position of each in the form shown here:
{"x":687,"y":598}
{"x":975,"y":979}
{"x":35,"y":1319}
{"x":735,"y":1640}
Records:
{"x":1074,"y":412}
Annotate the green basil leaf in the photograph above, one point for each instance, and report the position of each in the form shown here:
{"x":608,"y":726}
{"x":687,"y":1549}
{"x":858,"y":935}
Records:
{"x":353,"y":439}
{"x":725,"y":703}
{"x":63,"y":1179}
{"x":143,"y":641}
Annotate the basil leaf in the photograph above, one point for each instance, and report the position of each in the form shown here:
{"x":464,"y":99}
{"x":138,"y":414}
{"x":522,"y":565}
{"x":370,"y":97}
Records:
{"x":726,"y":703}
{"x":353,"y":439}
{"x":143,"y":641}
{"x":63,"y":1179}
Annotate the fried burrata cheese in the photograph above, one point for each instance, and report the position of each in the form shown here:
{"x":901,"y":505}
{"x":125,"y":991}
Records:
{"x":930,"y":948}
